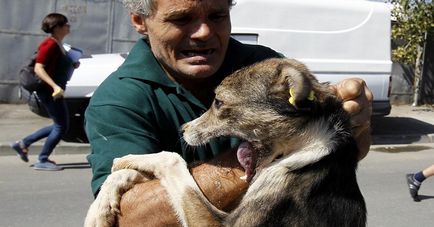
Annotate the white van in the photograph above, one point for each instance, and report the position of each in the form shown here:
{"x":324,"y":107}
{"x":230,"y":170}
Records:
{"x":336,"y":39}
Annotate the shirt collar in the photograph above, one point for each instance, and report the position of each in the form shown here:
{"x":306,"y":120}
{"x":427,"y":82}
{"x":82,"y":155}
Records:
{"x":139,"y":60}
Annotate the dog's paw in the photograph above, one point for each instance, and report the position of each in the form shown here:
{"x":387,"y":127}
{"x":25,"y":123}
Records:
{"x":101,"y":213}
{"x":125,"y":162}
{"x":165,"y":163}
{"x":106,"y":207}
{"x":152,"y":164}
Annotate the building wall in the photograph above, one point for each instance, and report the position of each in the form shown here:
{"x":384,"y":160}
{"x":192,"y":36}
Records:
{"x":97,"y":26}
{"x":402,"y":91}
{"x":427,"y":89}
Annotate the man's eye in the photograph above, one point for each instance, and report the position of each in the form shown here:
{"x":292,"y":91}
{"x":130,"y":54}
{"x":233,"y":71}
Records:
{"x":180,"y":20}
{"x":218,"y":17}
{"x":218,"y":103}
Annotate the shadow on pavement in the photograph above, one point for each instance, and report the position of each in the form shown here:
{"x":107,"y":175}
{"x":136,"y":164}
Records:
{"x":425,"y":197}
{"x":398,"y":130}
{"x":79,"y":165}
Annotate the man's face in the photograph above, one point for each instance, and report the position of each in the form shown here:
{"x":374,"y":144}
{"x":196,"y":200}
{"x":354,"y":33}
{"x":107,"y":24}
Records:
{"x":189,"y":37}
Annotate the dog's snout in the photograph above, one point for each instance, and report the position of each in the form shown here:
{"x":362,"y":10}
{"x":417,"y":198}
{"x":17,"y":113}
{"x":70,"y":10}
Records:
{"x":183,"y":128}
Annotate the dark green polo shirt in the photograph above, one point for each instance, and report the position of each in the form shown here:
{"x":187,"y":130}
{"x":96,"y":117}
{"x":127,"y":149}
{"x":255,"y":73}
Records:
{"x":138,"y":110}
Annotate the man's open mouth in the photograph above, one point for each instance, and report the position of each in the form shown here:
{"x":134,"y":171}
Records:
{"x":247,"y":158}
{"x":201,"y":52}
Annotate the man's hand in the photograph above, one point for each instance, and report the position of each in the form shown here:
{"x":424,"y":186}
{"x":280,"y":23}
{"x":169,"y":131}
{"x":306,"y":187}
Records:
{"x":357,"y":101}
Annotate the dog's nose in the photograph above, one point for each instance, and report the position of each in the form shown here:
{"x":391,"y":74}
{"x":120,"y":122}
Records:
{"x":183,"y":128}
{"x":181,"y":131}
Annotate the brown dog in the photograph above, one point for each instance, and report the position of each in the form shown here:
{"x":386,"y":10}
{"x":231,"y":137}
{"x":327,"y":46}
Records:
{"x":299,"y":156}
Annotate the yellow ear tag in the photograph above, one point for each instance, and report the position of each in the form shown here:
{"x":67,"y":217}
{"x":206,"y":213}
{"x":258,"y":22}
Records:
{"x":311,"y":96}
{"x":291,"y":98}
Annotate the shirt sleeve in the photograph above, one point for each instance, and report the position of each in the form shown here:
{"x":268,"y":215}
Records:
{"x":115,"y":128}
{"x":47,"y":52}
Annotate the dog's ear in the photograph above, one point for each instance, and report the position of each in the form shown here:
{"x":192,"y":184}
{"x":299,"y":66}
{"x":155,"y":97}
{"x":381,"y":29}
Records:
{"x":294,"y":83}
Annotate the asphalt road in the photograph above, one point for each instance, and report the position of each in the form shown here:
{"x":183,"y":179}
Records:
{"x":43,"y":198}
{"x":40,"y":199}
{"x":35,"y":198}
{"x":381,"y":178}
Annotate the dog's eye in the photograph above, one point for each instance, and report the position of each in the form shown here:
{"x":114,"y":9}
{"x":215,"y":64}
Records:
{"x":218,"y":103}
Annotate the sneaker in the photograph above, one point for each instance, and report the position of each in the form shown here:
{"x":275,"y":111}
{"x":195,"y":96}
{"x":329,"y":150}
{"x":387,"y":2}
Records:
{"x":21,"y":150}
{"x":48,"y":166}
{"x":48,"y":160}
{"x":413,"y":186}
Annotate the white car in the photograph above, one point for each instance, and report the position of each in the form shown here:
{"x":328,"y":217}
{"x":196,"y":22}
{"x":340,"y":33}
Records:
{"x":336,"y":39}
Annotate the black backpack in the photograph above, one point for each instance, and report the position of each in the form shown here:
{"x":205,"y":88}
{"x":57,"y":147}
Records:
{"x":27,"y":76}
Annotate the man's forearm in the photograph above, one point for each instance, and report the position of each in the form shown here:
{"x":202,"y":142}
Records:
{"x":147,"y":204}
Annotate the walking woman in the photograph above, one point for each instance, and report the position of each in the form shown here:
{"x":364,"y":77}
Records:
{"x":52,"y":66}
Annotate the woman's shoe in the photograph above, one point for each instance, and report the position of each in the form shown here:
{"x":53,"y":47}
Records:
{"x":21,"y":150}
{"x":48,"y":166}
{"x":48,"y":160}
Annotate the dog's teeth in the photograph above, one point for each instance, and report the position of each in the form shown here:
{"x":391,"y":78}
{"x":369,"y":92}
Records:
{"x":243,"y":177}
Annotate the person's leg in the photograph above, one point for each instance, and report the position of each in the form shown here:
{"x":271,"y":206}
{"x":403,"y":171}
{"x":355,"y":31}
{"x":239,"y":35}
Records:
{"x":59,"y":114}
{"x":428,"y":172}
{"x":21,"y":146}
{"x":39,"y":134}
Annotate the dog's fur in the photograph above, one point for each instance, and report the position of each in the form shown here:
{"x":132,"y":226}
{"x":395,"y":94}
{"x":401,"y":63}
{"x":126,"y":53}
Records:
{"x":303,"y":165}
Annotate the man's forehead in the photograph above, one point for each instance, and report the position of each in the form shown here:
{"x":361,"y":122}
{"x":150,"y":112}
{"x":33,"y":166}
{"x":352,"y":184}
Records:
{"x":171,"y":7}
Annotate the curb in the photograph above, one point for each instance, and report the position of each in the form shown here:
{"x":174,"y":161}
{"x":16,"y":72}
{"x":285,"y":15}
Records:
{"x":61,"y":148}
{"x":402,"y":139}
{"x":82,"y":148}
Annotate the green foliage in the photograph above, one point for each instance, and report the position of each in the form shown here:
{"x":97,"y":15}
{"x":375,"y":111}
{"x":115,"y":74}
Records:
{"x":413,"y":18}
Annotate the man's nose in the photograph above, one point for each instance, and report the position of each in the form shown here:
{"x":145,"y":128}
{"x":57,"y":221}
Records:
{"x":202,"y":31}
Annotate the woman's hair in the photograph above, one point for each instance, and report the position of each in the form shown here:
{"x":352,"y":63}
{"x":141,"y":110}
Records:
{"x":145,"y":7}
{"x":53,"y":20}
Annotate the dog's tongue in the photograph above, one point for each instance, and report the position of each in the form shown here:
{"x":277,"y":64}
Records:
{"x":247,"y":158}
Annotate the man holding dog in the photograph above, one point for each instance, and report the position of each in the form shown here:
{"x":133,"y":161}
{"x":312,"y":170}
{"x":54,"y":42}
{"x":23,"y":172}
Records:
{"x":167,"y":80}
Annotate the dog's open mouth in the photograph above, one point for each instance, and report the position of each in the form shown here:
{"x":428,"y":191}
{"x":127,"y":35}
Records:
{"x":247,"y":157}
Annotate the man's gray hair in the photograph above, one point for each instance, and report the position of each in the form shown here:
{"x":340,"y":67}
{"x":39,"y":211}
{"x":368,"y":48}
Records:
{"x":145,"y":7}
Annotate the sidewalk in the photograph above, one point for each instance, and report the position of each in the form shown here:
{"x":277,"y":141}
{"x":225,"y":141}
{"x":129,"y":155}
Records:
{"x":17,"y":121}
{"x":404,"y":125}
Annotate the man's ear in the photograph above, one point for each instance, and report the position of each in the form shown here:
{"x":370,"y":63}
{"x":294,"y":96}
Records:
{"x":138,"y":22}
